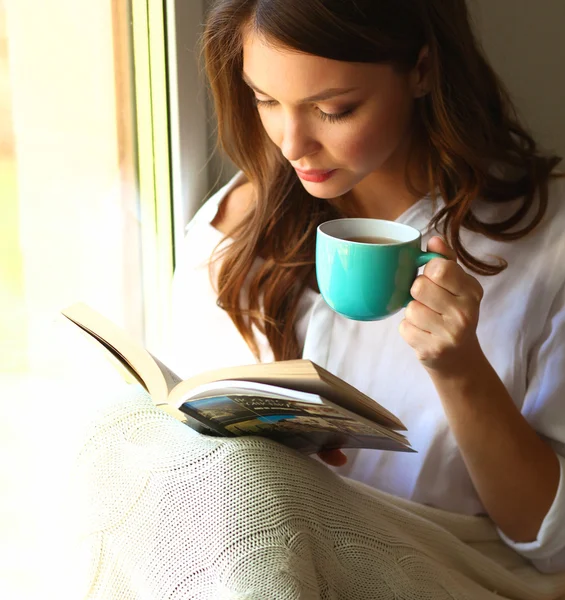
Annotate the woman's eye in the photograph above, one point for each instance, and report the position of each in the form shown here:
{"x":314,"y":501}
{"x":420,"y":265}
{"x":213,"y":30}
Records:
{"x":266,"y":103}
{"x":335,"y":117}
{"x":329,"y":117}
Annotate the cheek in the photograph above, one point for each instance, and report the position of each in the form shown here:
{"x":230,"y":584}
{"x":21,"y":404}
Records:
{"x":376,"y":137}
{"x":363,"y":145}
{"x":269,"y":125}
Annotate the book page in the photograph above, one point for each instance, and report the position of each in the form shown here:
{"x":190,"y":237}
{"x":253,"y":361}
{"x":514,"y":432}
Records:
{"x":305,"y":426}
{"x":171,"y":379}
{"x":271,"y":397}
{"x":134,"y":358}
{"x":301,"y":375}
{"x":232,"y":386}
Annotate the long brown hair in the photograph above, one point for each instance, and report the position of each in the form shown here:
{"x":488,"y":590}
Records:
{"x":468,"y":122}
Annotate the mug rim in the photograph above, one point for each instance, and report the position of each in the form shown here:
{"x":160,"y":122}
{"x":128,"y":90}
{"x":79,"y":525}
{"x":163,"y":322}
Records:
{"x":416,"y":233}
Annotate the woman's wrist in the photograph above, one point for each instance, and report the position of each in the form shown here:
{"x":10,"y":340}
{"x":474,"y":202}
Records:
{"x":463,"y":372}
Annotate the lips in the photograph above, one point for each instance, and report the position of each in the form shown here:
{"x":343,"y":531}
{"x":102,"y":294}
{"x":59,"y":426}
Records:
{"x":315,"y":176}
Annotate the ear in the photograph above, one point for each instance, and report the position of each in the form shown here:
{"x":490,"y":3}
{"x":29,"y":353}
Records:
{"x":421,"y":74}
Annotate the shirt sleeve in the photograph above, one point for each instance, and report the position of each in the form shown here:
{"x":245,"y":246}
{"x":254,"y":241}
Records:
{"x":544,"y":408}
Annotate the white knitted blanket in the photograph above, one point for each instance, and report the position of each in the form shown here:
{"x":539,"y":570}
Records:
{"x":169,"y":514}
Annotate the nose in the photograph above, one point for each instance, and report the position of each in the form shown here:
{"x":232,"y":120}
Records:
{"x":297,"y":141}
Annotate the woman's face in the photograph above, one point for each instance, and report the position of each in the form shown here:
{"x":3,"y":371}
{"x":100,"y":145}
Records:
{"x":335,"y":122}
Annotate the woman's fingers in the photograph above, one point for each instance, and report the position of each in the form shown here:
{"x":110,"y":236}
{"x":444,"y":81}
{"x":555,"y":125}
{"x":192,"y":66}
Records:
{"x":335,"y":458}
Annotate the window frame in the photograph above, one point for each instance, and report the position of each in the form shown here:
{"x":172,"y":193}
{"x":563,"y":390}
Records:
{"x":149,"y":27}
{"x":188,"y":102}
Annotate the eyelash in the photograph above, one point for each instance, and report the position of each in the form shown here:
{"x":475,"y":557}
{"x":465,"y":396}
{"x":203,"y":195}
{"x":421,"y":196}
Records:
{"x":331,"y":118}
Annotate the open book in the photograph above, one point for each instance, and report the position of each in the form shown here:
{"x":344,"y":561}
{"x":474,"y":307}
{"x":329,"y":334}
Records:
{"x":294,"y":402}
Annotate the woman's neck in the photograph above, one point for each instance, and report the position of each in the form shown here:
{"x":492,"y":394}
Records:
{"x":386,"y":194}
{"x":377,"y":197}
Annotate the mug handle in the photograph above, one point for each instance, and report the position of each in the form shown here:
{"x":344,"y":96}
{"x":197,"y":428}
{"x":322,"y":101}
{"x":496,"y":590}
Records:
{"x":425,"y":258}
{"x":422,"y":260}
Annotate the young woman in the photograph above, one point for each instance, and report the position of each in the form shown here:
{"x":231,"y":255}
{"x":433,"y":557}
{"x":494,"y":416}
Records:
{"x":388,"y":109}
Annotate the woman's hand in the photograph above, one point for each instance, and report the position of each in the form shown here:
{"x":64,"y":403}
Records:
{"x":440,"y":324}
{"x":335,"y":458}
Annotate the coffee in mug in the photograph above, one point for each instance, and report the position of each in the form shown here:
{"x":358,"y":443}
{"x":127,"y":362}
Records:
{"x":372,"y":240}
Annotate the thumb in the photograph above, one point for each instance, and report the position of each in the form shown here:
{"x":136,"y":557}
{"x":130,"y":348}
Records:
{"x":439,"y":246}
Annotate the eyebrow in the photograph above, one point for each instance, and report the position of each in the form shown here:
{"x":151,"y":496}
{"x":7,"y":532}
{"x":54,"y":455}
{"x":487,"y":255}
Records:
{"x":325,"y":95}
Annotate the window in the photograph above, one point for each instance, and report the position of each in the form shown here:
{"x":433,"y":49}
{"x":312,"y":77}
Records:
{"x":86,"y":215}
{"x":84,"y":188}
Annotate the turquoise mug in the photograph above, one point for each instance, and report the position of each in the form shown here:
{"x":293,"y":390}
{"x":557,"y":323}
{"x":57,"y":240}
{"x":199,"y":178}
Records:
{"x":366,"y":267}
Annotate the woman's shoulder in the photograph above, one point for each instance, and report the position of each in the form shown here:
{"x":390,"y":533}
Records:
{"x":547,"y":236}
{"x":211,"y":224}
{"x":556,"y":194}
{"x":553,"y":223}
{"x":553,"y":219}
{"x":224,"y":208}
{"x":233,"y":207}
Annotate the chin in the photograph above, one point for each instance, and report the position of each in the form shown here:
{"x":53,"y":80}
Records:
{"x":333,"y":188}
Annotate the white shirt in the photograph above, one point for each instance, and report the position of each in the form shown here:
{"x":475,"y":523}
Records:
{"x":521,"y":331}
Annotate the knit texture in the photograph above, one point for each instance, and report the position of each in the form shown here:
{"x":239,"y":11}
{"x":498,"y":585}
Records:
{"x":166,"y":513}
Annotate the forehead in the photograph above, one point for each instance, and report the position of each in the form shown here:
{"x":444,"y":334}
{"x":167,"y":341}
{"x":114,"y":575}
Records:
{"x":279,"y":70}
